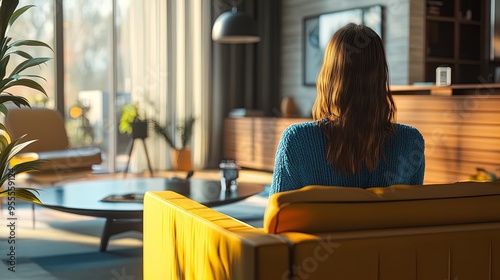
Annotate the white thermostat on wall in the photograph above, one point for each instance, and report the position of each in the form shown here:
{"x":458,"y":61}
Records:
{"x":443,"y":76}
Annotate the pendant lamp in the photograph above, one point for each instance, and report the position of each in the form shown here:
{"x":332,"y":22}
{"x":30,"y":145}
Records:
{"x":235,"y":27}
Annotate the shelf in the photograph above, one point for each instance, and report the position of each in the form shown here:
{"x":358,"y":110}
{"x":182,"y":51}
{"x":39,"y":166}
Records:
{"x":439,"y":60}
{"x":469,"y":22}
{"x":455,"y":35}
{"x":440,"y":19}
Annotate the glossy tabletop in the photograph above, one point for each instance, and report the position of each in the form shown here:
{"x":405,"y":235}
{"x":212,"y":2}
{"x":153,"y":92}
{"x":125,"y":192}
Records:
{"x":86,"y":198}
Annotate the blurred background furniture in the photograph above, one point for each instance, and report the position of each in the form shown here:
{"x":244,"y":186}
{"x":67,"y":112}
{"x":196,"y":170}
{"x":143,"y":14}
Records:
{"x":61,"y":162}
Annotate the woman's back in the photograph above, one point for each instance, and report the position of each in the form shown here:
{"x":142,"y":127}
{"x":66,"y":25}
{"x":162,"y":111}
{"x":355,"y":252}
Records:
{"x":301,"y":160}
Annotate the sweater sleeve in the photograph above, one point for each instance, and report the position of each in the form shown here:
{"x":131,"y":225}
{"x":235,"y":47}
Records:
{"x":418,"y":177}
{"x":286,"y":176}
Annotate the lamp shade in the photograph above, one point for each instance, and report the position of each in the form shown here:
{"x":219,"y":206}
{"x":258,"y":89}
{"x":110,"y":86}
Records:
{"x":235,"y":28}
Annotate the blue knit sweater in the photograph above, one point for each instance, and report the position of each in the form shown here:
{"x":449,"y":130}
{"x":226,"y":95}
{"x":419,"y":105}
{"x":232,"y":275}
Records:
{"x":301,"y":161}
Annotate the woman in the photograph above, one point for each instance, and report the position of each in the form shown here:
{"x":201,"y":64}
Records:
{"x":354,"y":140}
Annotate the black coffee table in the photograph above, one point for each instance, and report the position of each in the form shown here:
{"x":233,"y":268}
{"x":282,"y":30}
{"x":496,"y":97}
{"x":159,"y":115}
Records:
{"x":124,"y":211}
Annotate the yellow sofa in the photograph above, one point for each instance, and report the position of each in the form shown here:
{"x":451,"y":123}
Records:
{"x":448,"y":231}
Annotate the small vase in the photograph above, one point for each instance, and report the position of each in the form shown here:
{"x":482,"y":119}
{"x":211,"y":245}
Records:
{"x":288,"y":108}
{"x":181,"y":160}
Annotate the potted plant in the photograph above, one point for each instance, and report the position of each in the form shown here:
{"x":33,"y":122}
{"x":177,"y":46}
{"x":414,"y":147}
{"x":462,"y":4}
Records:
{"x":9,"y":148}
{"x":180,"y":153}
{"x":132,"y":123}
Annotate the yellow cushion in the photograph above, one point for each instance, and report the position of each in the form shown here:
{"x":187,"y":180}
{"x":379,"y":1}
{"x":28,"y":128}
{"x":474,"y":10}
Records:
{"x":316,"y":209}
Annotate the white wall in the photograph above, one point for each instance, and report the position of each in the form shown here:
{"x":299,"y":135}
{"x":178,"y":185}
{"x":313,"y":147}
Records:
{"x":397,"y":38}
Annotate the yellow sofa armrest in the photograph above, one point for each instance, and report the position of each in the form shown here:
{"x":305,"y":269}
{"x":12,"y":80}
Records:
{"x":184,"y":239}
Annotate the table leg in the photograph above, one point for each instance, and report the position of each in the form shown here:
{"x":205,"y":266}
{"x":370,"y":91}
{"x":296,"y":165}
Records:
{"x":116,"y":226}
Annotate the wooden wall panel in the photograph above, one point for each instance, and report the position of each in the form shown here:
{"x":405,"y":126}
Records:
{"x":461,"y":133}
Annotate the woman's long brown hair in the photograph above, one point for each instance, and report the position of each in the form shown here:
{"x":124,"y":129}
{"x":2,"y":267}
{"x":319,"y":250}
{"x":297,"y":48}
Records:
{"x":353,"y":95}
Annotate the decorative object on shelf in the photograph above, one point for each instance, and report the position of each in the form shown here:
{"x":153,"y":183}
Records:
{"x":235,"y":27}
{"x":443,"y":76}
{"x":9,"y":148}
{"x":288,"y":107}
{"x":181,"y":154}
{"x":483,"y":175}
{"x":132,"y":123}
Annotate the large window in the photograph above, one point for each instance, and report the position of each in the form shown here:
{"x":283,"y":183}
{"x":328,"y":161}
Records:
{"x":90,"y":85}
{"x":114,"y":52}
{"x":37,"y":23}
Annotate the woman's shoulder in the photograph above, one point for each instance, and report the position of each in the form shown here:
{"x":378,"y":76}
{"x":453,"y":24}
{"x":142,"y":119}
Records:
{"x":407,"y":130}
{"x":301,"y":127}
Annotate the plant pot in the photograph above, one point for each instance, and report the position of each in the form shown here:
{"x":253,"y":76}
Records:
{"x":139,"y":130}
{"x":181,"y":160}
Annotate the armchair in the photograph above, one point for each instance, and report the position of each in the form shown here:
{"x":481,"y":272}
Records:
{"x":61,"y":162}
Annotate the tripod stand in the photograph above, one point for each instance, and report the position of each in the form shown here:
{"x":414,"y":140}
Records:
{"x":130,"y":148}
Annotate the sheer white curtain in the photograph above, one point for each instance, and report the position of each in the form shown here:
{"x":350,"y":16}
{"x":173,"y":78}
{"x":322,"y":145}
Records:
{"x":170,"y":45}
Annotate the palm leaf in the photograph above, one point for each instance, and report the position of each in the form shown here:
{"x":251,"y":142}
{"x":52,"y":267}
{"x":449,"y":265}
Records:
{"x":18,"y":100}
{"x":186,"y":131}
{"x":18,"y":13}
{"x":2,"y":127}
{"x":19,"y":76}
{"x":18,"y":147}
{"x":33,"y":43}
{"x":27,"y":194}
{"x":28,"y":64}
{"x":3,"y":66}
{"x":12,"y":149}
{"x":6,"y":10}
{"x":20,"y":168}
{"x":27,"y":83}
{"x":4,"y":142}
{"x":4,"y":82}
{"x":18,"y":52}
{"x":3,"y":109}
{"x":162,"y":131}
{"x":27,"y":166}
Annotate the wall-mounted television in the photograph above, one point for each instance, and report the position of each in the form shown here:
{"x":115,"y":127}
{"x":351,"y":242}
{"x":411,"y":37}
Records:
{"x":318,"y":29}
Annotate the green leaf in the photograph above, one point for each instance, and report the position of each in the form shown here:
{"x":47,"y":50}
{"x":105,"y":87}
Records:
{"x":28,"y":64}
{"x":3,"y":109}
{"x":2,"y":127}
{"x":7,"y":8}
{"x":27,"y":83}
{"x":34,"y":43}
{"x":27,"y":194}
{"x":4,"y":142}
{"x":3,"y":66}
{"x":4,"y":82}
{"x":17,"y":148}
{"x":18,"y":52}
{"x":18,"y":13}
{"x":20,"y":168}
{"x":30,"y":76}
{"x":162,"y":131}
{"x":17,"y":100}
{"x":7,"y":153}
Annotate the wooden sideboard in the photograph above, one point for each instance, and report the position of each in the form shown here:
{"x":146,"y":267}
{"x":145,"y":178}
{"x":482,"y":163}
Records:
{"x":461,"y":133}
{"x":252,"y":141}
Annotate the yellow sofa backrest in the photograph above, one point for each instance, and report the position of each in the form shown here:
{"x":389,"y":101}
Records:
{"x":317,"y":209}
